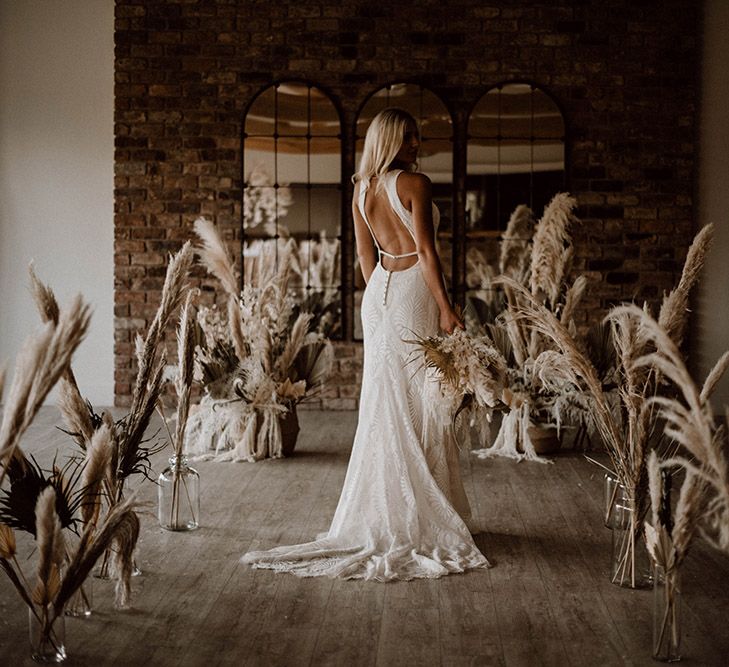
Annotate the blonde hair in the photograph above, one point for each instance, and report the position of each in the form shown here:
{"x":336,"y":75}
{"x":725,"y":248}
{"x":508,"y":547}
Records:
{"x":382,"y":144}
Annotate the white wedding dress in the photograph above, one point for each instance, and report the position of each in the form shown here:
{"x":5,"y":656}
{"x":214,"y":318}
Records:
{"x":403,"y":513}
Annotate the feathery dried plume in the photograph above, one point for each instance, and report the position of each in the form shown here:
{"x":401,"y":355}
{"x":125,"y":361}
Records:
{"x":714,"y":376}
{"x":515,"y":243}
{"x":572,"y":299}
{"x":673,"y":315}
{"x":124,"y":542}
{"x":295,"y":342}
{"x":2,"y":382}
{"x":98,"y":455}
{"x":45,"y":299}
{"x":38,"y":366}
{"x":48,"y":539}
{"x":92,"y":545}
{"x":214,"y":256}
{"x":550,"y":249}
{"x":7,"y":542}
{"x":75,"y":412}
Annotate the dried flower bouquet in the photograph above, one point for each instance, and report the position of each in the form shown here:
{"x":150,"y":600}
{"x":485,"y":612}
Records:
{"x":267,"y":356}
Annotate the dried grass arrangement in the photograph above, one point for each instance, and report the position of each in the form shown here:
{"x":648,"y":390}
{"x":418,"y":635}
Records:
{"x":534,"y":264}
{"x":128,"y":450}
{"x":268,"y":354}
{"x":630,"y":432}
{"x":41,"y":503}
{"x":703,"y":503}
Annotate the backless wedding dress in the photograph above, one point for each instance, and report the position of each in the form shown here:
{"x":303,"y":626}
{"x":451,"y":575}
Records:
{"x":403,"y":513}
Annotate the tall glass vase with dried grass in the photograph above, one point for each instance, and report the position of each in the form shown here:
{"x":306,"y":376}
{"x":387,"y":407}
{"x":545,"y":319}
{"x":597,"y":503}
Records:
{"x":130,"y":449}
{"x":179,"y":484}
{"x":703,"y":504}
{"x":630,"y":432}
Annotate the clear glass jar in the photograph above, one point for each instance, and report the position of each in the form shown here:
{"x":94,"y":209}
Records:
{"x":179,"y":496}
{"x":666,"y":614}
{"x":80,"y":603}
{"x":47,"y":639}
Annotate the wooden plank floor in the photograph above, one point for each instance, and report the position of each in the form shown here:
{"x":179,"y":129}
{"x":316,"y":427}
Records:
{"x":547,"y":600}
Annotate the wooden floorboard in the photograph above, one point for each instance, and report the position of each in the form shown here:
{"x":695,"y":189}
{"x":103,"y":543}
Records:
{"x":547,"y":600}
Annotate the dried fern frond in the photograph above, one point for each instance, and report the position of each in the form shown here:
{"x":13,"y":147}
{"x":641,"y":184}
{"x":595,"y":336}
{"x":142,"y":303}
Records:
{"x":673,"y":315}
{"x":214,"y":256}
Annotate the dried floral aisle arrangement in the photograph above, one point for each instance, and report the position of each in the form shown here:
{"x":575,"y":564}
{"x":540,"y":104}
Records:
{"x":257,"y":362}
{"x":703,"y":504}
{"x":43,"y":505}
{"x":535,"y":267}
{"x":129,"y":451}
{"x":631,"y":432}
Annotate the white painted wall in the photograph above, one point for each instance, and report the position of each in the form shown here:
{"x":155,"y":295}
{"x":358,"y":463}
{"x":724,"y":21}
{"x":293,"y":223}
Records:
{"x":56,"y":171}
{"x":711,"y":332}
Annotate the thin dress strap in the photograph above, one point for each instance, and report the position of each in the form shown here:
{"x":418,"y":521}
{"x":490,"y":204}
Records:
{"x":389,"y":183}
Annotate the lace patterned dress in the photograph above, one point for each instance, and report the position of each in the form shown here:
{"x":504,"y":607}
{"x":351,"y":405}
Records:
{"x":403,"y":513}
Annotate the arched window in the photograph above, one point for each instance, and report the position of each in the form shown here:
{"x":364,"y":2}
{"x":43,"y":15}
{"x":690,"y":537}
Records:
{"x":436,"y":159}
{"x":516,"y":155}
{"x":292,"y":195}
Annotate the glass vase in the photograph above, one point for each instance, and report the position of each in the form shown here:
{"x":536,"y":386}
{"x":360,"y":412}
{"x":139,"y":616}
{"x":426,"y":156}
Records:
{"x":80,"y":603}
{"x":179,"y":496}
{"x":666,"y":614}
{"x":613,"y":491}
{"x":47,"y":635}
{"x":631,"y":566}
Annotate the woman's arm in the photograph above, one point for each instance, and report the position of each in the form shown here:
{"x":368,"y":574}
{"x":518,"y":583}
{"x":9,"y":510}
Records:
{"x":365,"y":245}
{"x":417,"y":196}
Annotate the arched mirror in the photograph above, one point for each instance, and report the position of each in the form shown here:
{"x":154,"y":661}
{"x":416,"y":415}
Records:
{"x":435,"y":160}
{"x":516,"y":155}
{"x":292,"y":196}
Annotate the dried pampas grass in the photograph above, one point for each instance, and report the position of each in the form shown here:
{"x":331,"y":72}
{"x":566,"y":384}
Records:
{"x":515,"y":255}
{"x":214,"y":256}
{"x":42,"y":360}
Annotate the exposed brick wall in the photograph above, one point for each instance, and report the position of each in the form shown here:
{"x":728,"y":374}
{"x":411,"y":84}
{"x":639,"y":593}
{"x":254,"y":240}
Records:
{"x":623,"y":71}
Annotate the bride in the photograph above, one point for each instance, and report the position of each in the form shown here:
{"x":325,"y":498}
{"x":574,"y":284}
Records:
{"x":403,"y":512}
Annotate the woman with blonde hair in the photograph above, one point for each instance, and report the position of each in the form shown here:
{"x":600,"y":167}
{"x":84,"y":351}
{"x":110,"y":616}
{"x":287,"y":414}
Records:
{"x":403,"y":512}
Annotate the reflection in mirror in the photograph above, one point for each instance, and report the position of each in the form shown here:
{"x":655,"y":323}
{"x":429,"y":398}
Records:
{"x":292,"y":197}
{"x":435,"y":160}
{"x":516,"y":147}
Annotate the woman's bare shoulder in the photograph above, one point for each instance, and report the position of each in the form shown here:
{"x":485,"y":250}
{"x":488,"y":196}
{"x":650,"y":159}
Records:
{"x":413,"y":184}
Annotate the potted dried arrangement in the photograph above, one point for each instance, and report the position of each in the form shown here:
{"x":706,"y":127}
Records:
{"x":630,"y":431}
{"x":129,"y":449}
{"x":256,"y":363}
{"x":43,"y":504}
{"x":703,"y":504}
{"x":535,"y":266}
